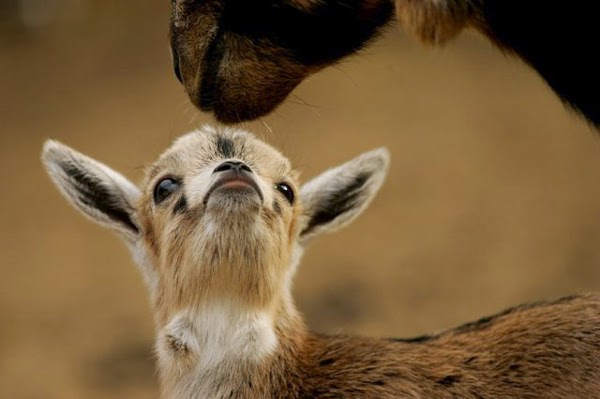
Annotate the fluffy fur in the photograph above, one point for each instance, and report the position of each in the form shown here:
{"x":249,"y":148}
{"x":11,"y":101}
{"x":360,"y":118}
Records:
{"x":219,"y":255}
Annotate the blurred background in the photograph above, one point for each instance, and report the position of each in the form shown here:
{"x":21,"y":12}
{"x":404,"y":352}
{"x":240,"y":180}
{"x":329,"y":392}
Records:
{"x":493,"y":197}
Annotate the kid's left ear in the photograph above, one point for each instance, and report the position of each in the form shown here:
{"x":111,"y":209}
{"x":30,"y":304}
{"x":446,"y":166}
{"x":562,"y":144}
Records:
{"x":337,"y":196}
{"x":99,"y":192}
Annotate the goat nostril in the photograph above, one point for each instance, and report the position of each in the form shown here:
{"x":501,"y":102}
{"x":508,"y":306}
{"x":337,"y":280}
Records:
{"x":232,"y":165}
{"x":223,"y":167}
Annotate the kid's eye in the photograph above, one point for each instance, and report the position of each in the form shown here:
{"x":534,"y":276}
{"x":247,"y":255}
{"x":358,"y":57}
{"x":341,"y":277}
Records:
{"x":286,"y":190}
{"x":164,"y":189}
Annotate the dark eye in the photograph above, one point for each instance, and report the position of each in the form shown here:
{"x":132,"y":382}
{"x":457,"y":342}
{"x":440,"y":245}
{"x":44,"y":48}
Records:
{"x":286,"y":190}
{"x":164,"y":189}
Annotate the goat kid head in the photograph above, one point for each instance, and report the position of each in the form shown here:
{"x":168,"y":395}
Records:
{"x":239,"y":59}
{"x":219,"y":217}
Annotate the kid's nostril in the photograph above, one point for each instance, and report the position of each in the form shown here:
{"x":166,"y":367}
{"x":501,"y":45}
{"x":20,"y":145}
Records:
{"x":232,"y":165}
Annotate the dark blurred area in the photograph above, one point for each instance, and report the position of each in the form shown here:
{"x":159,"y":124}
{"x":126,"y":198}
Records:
{"x":493,"y":197}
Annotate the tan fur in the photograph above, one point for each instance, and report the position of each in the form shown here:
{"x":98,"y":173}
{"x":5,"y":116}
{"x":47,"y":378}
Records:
{"x":436,"y":21}
{"x":220,"y":277}
{"x":549,"y":350}
{"x":176,"y":246}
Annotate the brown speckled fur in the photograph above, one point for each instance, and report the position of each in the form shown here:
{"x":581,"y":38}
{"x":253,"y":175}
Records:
{"x":548,"y":350}
{"x":220,"y":272}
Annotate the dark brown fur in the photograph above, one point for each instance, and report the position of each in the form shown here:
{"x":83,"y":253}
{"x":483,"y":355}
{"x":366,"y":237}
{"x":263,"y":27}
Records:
{"x":239,"y":59}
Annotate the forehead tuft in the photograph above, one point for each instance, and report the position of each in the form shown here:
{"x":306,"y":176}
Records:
{"x":208,"y":144}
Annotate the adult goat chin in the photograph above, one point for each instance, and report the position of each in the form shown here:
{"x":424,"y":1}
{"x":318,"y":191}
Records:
{"x":218,"y":229}
{"x":240,"y":59}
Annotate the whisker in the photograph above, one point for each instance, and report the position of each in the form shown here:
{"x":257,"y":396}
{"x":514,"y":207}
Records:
{"x":303,"y":102}
{"x":346,"y":74}
{"x":265,"y":124}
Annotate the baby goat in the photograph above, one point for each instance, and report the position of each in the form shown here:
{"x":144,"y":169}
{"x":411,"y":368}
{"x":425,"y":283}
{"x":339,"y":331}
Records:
{"x":240,"y":59}
{"x":218,"y":229}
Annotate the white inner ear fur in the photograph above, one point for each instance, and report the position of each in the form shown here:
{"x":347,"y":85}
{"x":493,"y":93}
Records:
{"x":335,"y":185}
{"x":123,"y":193}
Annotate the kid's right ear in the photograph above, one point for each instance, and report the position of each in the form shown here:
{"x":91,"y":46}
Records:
{"x":101,"y":193}
{"x":337,"y":196}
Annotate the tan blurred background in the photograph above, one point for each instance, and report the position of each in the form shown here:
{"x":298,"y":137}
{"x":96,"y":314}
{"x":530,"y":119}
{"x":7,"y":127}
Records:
{"x":493,"y":197}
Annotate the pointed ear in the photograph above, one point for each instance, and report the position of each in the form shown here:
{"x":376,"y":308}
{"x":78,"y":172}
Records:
{"x":334,"y":198}
{"x":102,"y":194}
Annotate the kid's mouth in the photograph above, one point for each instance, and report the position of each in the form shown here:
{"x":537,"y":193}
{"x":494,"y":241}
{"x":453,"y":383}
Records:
{"x":235,"y":182}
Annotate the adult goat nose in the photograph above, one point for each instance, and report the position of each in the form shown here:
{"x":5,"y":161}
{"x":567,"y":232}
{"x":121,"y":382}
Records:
{"x":232,"y":165}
